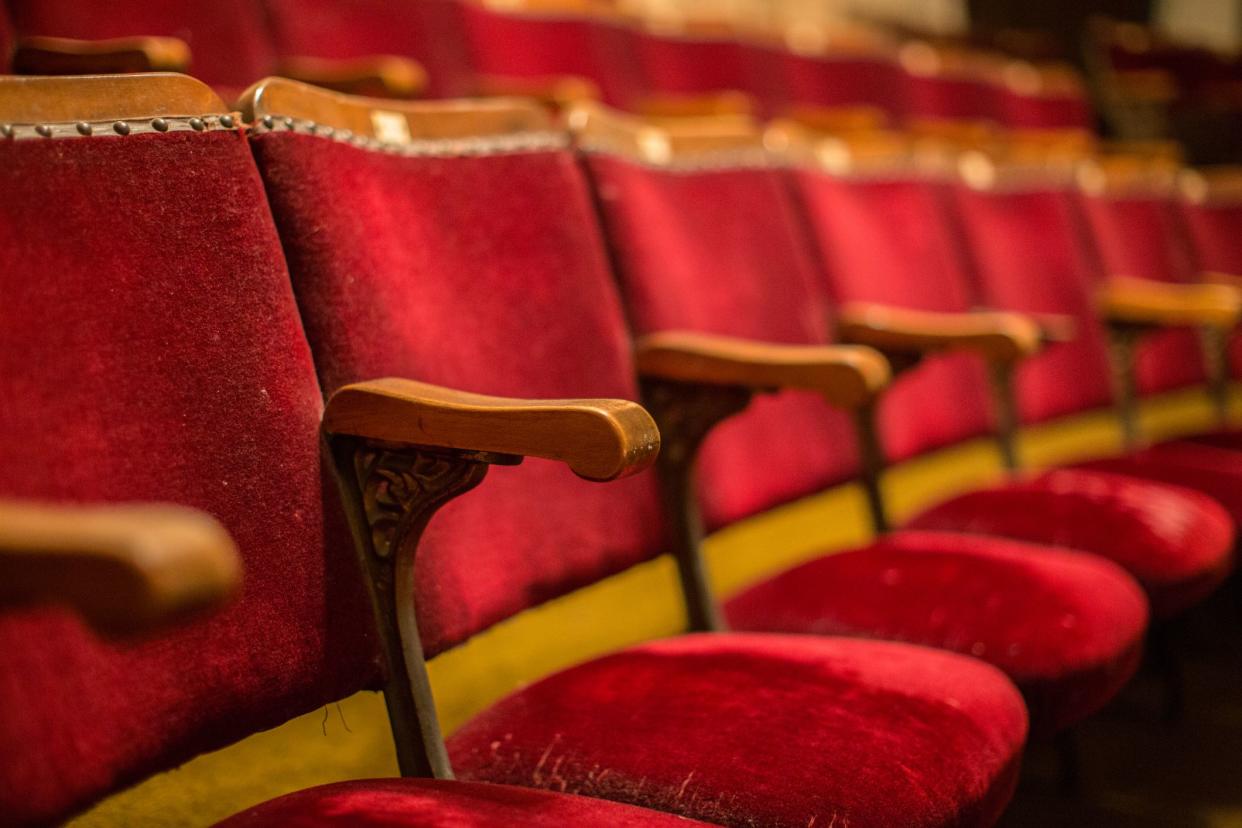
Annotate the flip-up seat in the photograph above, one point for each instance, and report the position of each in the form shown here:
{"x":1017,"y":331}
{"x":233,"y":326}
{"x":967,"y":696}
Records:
{"x":706,"y":239}
{"x":469,"y":253}
{"x":885,"y":226}
{"x":151,"y":350}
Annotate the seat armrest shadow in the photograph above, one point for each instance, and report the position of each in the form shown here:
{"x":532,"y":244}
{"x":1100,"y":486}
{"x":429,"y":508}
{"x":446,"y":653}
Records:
{"x":997,"y":336}
{"x":598,"y":439}
{"x":120,"y":55}
{"x":848,"y":375}
{"x":376,"y":76}
{"x":124,"y":567}
{"x":1161,"y":304}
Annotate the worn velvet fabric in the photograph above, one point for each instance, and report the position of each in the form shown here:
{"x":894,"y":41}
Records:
{"x":701,"y":725}
{"x":719,"y":251}
{"x":888,"y":240}
{"x":1142,"y":237}
{"x":150,"y":350}
{"x":424,"y":803}
{"x":228,"y":39}
{"x":521,"y":46}
{"x":431,"y":32}
{"x":1067,"y":627}
{"x":466,"y":278}
{"x":1176,"y":541}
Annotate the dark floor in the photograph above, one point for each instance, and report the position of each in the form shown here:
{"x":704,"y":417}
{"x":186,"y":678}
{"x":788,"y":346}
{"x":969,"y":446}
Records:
{"x":1138,"y":769}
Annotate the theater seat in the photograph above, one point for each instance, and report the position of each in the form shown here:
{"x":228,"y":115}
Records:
{"x":1177,"y":542}
{"x":1065,"y":626}
{"x":406,"y":803}
{"x":888,"y":735}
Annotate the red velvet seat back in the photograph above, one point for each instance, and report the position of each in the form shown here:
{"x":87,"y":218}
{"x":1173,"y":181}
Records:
{"x":1140,"y":235}
{"x":937,"y":97}
{"x":150,"y":350}
{"x":1015,"y":109}
{"x":1027,"y":246}
{"x":888,"y":240}
{"x":1214,"y":227}
{"x":672,"y":65}
{"x":431,"y":32}
{"x":530,"y":46}
{"x":482,"y":271}
{"x":719,"y":251}
{"x":229,"y":42}
{"x":842,"y":81}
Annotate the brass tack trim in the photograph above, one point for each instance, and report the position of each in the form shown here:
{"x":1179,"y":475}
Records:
{"x":88,"y":129}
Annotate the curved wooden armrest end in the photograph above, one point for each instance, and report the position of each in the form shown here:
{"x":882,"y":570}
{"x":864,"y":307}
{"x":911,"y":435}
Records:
{"x":849,"y":375}
{"x":1161,"y":304}
{"x":70,"y":56}
{"x":124,"y":567}
{"x":599,"y":439}
{"x":997,"y":336}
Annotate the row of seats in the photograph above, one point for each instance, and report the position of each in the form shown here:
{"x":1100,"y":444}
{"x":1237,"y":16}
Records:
{"x":468,"y":47}
{"x":176,"y":323}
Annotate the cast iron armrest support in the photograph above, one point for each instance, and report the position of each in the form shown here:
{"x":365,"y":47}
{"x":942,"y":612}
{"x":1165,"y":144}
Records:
{"x":1133,"y":308}
{"x":997,"y":336}
{"x":376,"y":76}
{"x":120,"y":55}
{"x":848,"y":375}
{"x":598,"y":439}
{"x":692,"y":381}
{"x":124,"y":567}
{"x":401,"y":450}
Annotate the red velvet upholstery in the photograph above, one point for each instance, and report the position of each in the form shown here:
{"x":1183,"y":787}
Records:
{"x":150,"y":349}
{"x":521,"y":46}
{"x":887,"y":240}
{"x":420,"y":803}
{"x":887,"y":734}
{"x":532,"y":532}
{"x":6,"y":40}
{"x":1067,"y":627}
{"x":388,"y":292}
{"x":429,"y":31}
{"x":228,"y":39}
{"x":1028,"y":254}
{"x":696,"y":66}
{"x":1141,"y":237}
{"x":1176,"y":541}
{"x":1016,"y":110}
{"x":718,"y":251}
{"x":838,"y":81}
{"x":945,"y":97}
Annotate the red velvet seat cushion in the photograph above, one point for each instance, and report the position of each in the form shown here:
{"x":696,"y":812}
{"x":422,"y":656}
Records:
{"x":765,"y":730}
{"x":406,"y":803}
{"x":1067,"y":627}
{"x":1175,"y":541}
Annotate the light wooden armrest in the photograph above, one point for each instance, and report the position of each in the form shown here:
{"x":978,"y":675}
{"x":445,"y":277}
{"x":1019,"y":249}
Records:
{"x":1162,"y":304}
{"x":995,"y":335}
{"x":376,"y":76}
{"x":848,"y":375}
{"x":1055,"y":327}
{"x":598,"y":439}
{"x":1216,"y":277}
{"x":123,"y":567}
{"x":120,"y":55}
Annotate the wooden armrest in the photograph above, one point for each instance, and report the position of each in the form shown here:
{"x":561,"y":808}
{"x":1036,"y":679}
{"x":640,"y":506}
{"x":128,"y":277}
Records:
{"x":848,"y":375}
{"x":1055,"y":327}
{"x":377,"y":76}
{"x":995,"y":335}
{"x":1163,"y":304}
{"x":124,"y":567}
{"x":1216,"y":277}
{"x":597,"y":439}
{"x":121,"y":55}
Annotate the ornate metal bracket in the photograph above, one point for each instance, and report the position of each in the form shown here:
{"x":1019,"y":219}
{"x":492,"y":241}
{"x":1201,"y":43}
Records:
{"x":685,"y":414}
{"x":871,"y":456}
{"x":390,"y":494}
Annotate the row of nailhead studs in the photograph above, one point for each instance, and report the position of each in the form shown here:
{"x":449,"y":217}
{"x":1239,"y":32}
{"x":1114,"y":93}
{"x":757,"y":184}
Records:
{"x":89,"y":128}
{"x":438,"y":147}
